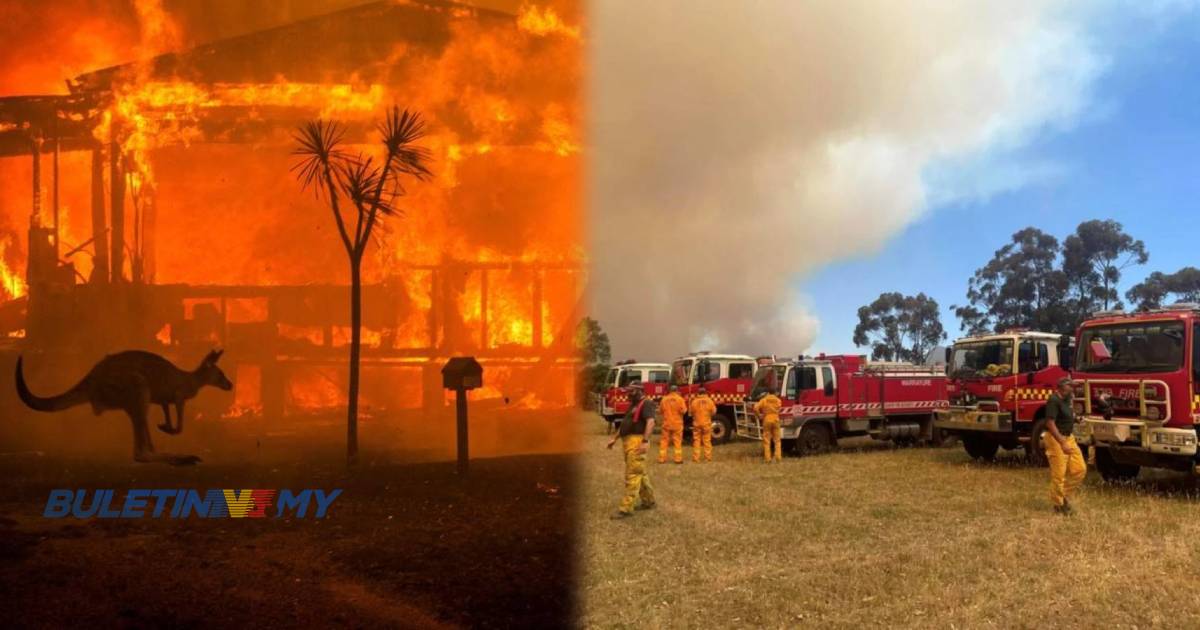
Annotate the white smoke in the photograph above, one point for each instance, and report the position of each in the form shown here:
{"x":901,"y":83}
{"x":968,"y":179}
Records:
{"x":737,"y":146}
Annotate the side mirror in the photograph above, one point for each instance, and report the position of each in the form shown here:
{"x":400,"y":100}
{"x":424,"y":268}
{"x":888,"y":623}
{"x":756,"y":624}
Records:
{"x":1029,"y":376}
{"x":949,"y":354}
{"x":828,"y":389}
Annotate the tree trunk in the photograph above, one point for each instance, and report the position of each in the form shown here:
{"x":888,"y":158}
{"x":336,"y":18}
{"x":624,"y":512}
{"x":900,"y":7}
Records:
{"x":355,"y":351}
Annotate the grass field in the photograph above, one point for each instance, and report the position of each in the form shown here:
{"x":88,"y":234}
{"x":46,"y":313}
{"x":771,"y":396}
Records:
{"x":876,"y":536}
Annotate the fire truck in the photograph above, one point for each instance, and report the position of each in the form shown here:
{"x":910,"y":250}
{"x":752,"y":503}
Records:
{"x":999,"y":385}
{"x":727,"y":377}
{"x":830,"y":397}
{"x":1137,"y":396}
{"x":613,"y":401}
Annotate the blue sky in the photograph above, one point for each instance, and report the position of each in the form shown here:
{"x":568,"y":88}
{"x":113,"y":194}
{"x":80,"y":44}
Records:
{"x":1133,"y":156}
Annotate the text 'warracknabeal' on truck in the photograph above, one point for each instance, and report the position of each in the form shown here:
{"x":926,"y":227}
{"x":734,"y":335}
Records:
{"x":1138,"y":389}
{"x":830,"y":397}
{"x":999,"y":385}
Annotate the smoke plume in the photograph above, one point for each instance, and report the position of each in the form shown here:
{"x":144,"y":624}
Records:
{"x":738,"y":147}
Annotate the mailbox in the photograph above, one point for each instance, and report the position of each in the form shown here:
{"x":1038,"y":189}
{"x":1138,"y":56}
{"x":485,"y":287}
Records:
{"x":462,"y":373}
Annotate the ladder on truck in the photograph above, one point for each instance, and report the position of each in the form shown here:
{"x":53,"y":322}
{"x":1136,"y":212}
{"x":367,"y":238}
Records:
{"x":889,"y":368}
{"x":748,"y":425}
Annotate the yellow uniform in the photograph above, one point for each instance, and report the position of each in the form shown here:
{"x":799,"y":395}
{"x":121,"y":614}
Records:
{"x":1067,"y":466}
{"x":702,"y":409}
{"x":767,"y":409}
{"x":637,"y":483}
{"x":671,"y":408}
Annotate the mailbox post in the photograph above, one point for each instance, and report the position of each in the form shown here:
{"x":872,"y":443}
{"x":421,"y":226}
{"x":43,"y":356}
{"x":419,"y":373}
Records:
{"x":461,"y":374}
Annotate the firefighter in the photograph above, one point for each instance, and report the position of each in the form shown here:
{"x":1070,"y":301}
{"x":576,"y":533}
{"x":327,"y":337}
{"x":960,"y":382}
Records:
{"x":702,"y":410}
{"x":1067,"y":466}
{"x":767,"y":410}
{"x":636,"y":428}
{"x":671,"y":408}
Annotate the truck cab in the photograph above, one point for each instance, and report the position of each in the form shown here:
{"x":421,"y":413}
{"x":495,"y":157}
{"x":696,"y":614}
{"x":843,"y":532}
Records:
{"x":727,"y":377}
{"x":999,"y":385}
{"x":829,"y":397}
{"x":1137,"y":396}
{"x":613,"y":400}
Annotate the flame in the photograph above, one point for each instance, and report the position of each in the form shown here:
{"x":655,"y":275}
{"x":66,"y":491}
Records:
{"x":12,"y":284}
{"x":544,"y":21}
{"x":505,"y":134}
{"x":153,"y":114}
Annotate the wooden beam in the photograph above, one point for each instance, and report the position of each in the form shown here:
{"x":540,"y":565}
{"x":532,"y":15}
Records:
{"x":116,"y":176}
{"x":99,"y":222}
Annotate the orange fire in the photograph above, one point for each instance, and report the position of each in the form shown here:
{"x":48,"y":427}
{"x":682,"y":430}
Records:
{"x":12,"y":285}
{"x":212,"y":157}
{"x":544,"y":21}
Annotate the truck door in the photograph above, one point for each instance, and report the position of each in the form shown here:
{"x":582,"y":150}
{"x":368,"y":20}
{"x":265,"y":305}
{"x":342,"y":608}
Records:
{"x":828,"y":385}
{"x":658,"y":382}
{"x":681,"y":376}
{"x":742,"y":375}
{"x":808,"y":392}
{"x":1035,"y":377}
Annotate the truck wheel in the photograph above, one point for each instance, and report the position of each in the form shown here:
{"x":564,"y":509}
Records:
{"x":1034,"y":453}
{"x":980,"y":447}
{"x":722,"y":429}
{"x":814,"y":438}
{"x":1111,"y":470}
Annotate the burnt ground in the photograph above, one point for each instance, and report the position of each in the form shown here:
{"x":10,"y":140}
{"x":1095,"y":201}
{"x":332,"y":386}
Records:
{"x":405,"y":545}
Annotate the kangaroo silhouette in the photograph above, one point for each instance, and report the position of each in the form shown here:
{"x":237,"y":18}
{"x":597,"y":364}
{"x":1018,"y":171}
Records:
{"x":130,"y":381}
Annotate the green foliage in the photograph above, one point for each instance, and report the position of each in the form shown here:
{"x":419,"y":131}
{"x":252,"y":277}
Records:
{"x":899,"y":327}
{"x":596,"y":352}
{"x":1183,"y":286}
{"x":1033,"y":282}
{"x":592,"y":342}
{"x":1021,"y":286}
{"x":1093,"y":259}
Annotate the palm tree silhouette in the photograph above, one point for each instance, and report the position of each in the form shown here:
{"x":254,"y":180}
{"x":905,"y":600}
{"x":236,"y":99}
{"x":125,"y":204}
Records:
{"x":362,"y":188}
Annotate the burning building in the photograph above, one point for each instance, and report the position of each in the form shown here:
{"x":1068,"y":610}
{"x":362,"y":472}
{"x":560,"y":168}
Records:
{"x":151,"y":206}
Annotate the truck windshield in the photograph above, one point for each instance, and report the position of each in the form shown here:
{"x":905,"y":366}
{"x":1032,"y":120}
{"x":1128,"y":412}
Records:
{"x":612,"y":377}
{"x":982,"y":358}
{"x":768,"y":378}
{"x":1133,"y":347}
{"x":681,"y":372}
{"x":630,"y":376}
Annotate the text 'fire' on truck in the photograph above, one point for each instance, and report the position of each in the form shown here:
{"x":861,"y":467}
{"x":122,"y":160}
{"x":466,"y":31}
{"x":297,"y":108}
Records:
{"x":999,"y":385}
{"x":613,"y":401}
{"x":830,"y":397}
{"x":1137,"y":396}
{"x":727,"y":377}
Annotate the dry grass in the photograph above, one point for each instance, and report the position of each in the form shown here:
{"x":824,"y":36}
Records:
{"x":877,"y":536}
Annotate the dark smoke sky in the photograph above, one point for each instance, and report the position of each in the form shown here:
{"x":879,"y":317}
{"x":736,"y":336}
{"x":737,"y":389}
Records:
{"x":738,"y":147}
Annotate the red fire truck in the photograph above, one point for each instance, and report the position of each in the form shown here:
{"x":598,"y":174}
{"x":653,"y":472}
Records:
{"x":727,"y":377}
{"x":998,"y":389}
{"x":613,"y":401}
{"x":1138,"y":389}
{"x":830,"y":397}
